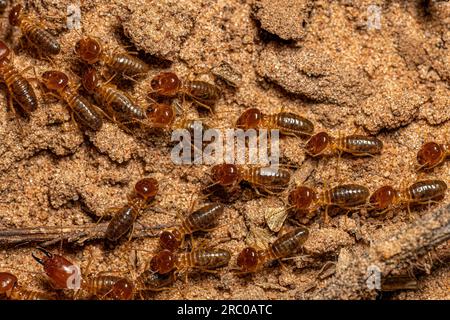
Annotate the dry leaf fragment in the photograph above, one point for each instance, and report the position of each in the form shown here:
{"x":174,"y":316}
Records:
{"x":275,"y":218}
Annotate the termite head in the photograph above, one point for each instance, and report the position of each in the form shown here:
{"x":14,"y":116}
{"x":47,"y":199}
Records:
{"x":384,"y":197}
{"x":166,"y":84}
{"x":15,"y":15}
{"x":317,"y":143}
{"x":7,"y":283}
{"x":55,"y":80}
{"x":301,"y":198}
{"x":90,"y":80}
{"x":249,"y":119}
{"x":225,"y":174}
{"x":162,"y":114}
{"x":146,"y":188}
{"x":58,"y":269}
{"x":4,"y":53}
{"x":430,"y":155}
{"x":163,"y":262}
{"x":122,"y":290}
{"x":89,"y":50}
{"x":248,"y":259}
{"x":170,"y":240}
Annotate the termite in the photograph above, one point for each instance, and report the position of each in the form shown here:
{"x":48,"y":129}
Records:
{"x":109,"y":287}
{"x":288,"y":123}
{"x":19,"y":88}
{"x":34,"y":32}
{"x":61,"y":272}
{"x":251,"y":259}
{"x":122,"y":222}
{"x":432,"y":154}
{"x":12,"y":290}
{"x":90,"y":51}
{"x":167,"y":84}
{"x":203,"y":219}
{"x":423,"y":192}
{"x":356,"y":145}
{"x":58,"y":83}
{"x":203,"y":259}
{"x":116,"y":102}
{"x":269,"y":179}
{"x":347,"y":196}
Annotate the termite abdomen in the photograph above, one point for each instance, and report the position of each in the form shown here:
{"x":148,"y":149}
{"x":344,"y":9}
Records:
{"x":121,"y":223}
{"x":202,"y":91}
{"x":272,"y":180}
{"x":84,"y":111}
{"x":209,"y":258}
{"x":126,"y":64}
{"x":204,"y":218}
{"x":290,"y":123}
{"x":347,"y":195}
{"x":289,"y":243}
{"x":20,"y":89}
{"x":109,"y":287}
{"x":360,"y":145}
{"x":426,"y":190}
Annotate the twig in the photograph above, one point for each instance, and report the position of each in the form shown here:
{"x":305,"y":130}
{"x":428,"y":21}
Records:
{"x":47,"y":236}
{"x":399,"y":251}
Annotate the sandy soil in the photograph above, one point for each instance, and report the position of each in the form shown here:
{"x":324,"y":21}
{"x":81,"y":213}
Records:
{"x":317,"y":58}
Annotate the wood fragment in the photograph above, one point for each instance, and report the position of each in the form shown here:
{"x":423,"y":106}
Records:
{"x":400,"y":251}
{"x":78,"y":235}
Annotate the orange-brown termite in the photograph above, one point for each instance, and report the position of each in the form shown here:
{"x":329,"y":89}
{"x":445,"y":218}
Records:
{"x":251,"y":259}
{"x":269,"y":179}
{"x":112,"y":287}
{"x":346,"y":196}
{"x":62,"y":273}
{"x":19,"y":88}
{"x":116,"y":102}
{"x":432,"y":154}
{"x":203,"y":219}
{"x":10,"y":288}
{"x":202,"y":259}
{"x":167,"y":84}
{"x":288,"y":123}
{"x":356,"y":145}
{"x":122,"y":222}
{"x":34,"y":32}
{"x":109,"y":287}
{"x":90,"y":51}
{"x":58,"y":84}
